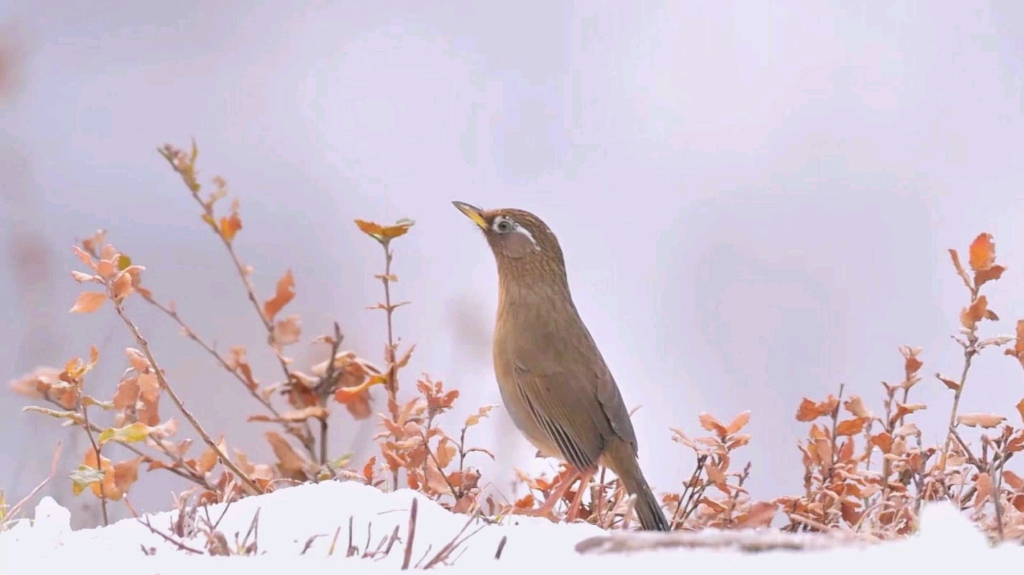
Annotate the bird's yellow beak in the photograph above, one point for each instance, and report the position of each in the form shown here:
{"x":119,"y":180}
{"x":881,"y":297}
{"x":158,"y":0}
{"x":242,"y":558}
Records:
{"x":472,"y":212}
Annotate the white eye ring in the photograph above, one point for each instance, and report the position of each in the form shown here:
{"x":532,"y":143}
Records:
{"x":504,"y":225}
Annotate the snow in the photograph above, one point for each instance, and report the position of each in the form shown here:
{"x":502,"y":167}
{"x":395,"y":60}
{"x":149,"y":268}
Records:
{"x":288,"y":518}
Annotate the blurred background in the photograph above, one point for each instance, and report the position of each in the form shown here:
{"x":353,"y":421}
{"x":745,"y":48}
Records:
{"x":755,"y":198}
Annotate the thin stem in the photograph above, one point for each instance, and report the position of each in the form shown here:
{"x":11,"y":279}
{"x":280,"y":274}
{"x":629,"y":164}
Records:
{"x":165,"y":386}
{"x":389,"y":353}
{"x":969,"y":352}
{"x":99,"y":464}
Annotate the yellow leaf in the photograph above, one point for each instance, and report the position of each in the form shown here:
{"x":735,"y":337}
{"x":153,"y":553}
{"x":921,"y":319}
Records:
{"x":88,"y":301}
{"x":85,"y":476}
{"x":371,"y":228}
{"x":132,"y":433}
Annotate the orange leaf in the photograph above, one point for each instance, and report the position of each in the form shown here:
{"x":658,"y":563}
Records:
{"x":808,"y":411}
{"x":708,"y":422}
{"x":960,"y":268}
{"x":984,"y":485}
{"x":370,"y":228}
{"x":1020,"y":408}
{"x":738,"y":423}
{"x":282,"y":295}
{"x":123,"y":286}
{"x":1013,"y":480}
{"x":86,"y":258}
{"x":982,"y":253}
{"x":88,"y":301}
{"x":399,"y":229}
{"x":760,"y":515}
{"x":289,"y":462}
{"x":991,"y":274}
{"x":851,"y":426}
{"x":229,"y":226}
{"x":883,"y":441}
{"x":525,"y":502}
{"x":977,"y":311}
{"x":368,"y":469}
{"x":948,"y":382}
{"x":385,"y":233}
{"x":855,"y":405}
{"x":1018,"y":346}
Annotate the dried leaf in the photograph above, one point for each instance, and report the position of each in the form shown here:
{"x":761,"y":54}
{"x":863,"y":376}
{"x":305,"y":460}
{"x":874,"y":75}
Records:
{"x":298,"y":415}
{"x":708,"y":422}
{"x":289,"y":462}
{"x":132,"y":433}
{"x":906,"y":430}
{"x":123,"y":286}
{"x":738,"y":423}
{"x":209,"y":459}
{"x":855,"y":405}
{"x":911,"y":363}
{"x":984,"y":420}
{"x":984,"y":487}
{"x":1018,"y":345}
{"x":1014,"y":481}
{"x":760,"y":514}
{"x":883,"y":441}
{"x":480,"y":414}
{"x":283,"y":294}
{"x":88,"y":301}
{"x":287,"y":331}
{"x":807,"y":411}
{"x":953,"y":385}
{"x":850,"y":426}
{"x":229,"y":226}
{"x":982,"y":252}
{"x":385,"y":233}
{"x":92,"y":243}
{"x":960,"y":269}
{"x":977,"y":311}
{"x":1020,"y":408}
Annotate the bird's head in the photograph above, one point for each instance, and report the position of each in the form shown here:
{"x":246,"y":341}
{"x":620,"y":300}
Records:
{"x":524,"y":247}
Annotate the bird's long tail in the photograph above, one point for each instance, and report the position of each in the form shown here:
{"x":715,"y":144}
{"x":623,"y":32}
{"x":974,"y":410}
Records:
{"x":648,"y":510}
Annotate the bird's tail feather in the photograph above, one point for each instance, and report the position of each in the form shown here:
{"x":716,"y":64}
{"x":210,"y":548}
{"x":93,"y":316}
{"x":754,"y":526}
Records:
{"x":648,"y":509}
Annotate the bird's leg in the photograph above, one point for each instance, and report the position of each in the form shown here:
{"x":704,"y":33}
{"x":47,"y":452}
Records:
{"x":574,"y":509}
{"x":557,"y":494}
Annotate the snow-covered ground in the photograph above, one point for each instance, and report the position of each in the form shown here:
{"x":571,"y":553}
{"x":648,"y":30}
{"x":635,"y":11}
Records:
{"x":289,"y":518}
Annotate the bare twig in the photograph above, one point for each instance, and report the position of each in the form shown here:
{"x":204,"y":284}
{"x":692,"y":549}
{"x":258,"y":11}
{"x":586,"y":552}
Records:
{"x":411,"y":537}
{"x":13,"y":512}
{"x":99,"y":461}
{"x":445,"y":552}
{"x":179,"y":544}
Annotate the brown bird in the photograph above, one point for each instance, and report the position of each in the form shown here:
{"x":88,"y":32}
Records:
{"x":553,"y":380}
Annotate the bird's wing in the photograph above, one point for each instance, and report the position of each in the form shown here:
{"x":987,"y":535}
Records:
{"x":568,"y":410}
{"x":615,"y":407}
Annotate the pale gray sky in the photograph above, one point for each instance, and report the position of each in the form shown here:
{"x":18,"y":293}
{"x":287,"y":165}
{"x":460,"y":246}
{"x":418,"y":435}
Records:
{"x":755,"y":198}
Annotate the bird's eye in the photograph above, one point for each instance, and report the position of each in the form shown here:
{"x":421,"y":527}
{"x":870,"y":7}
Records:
{"x":503,"y":226}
